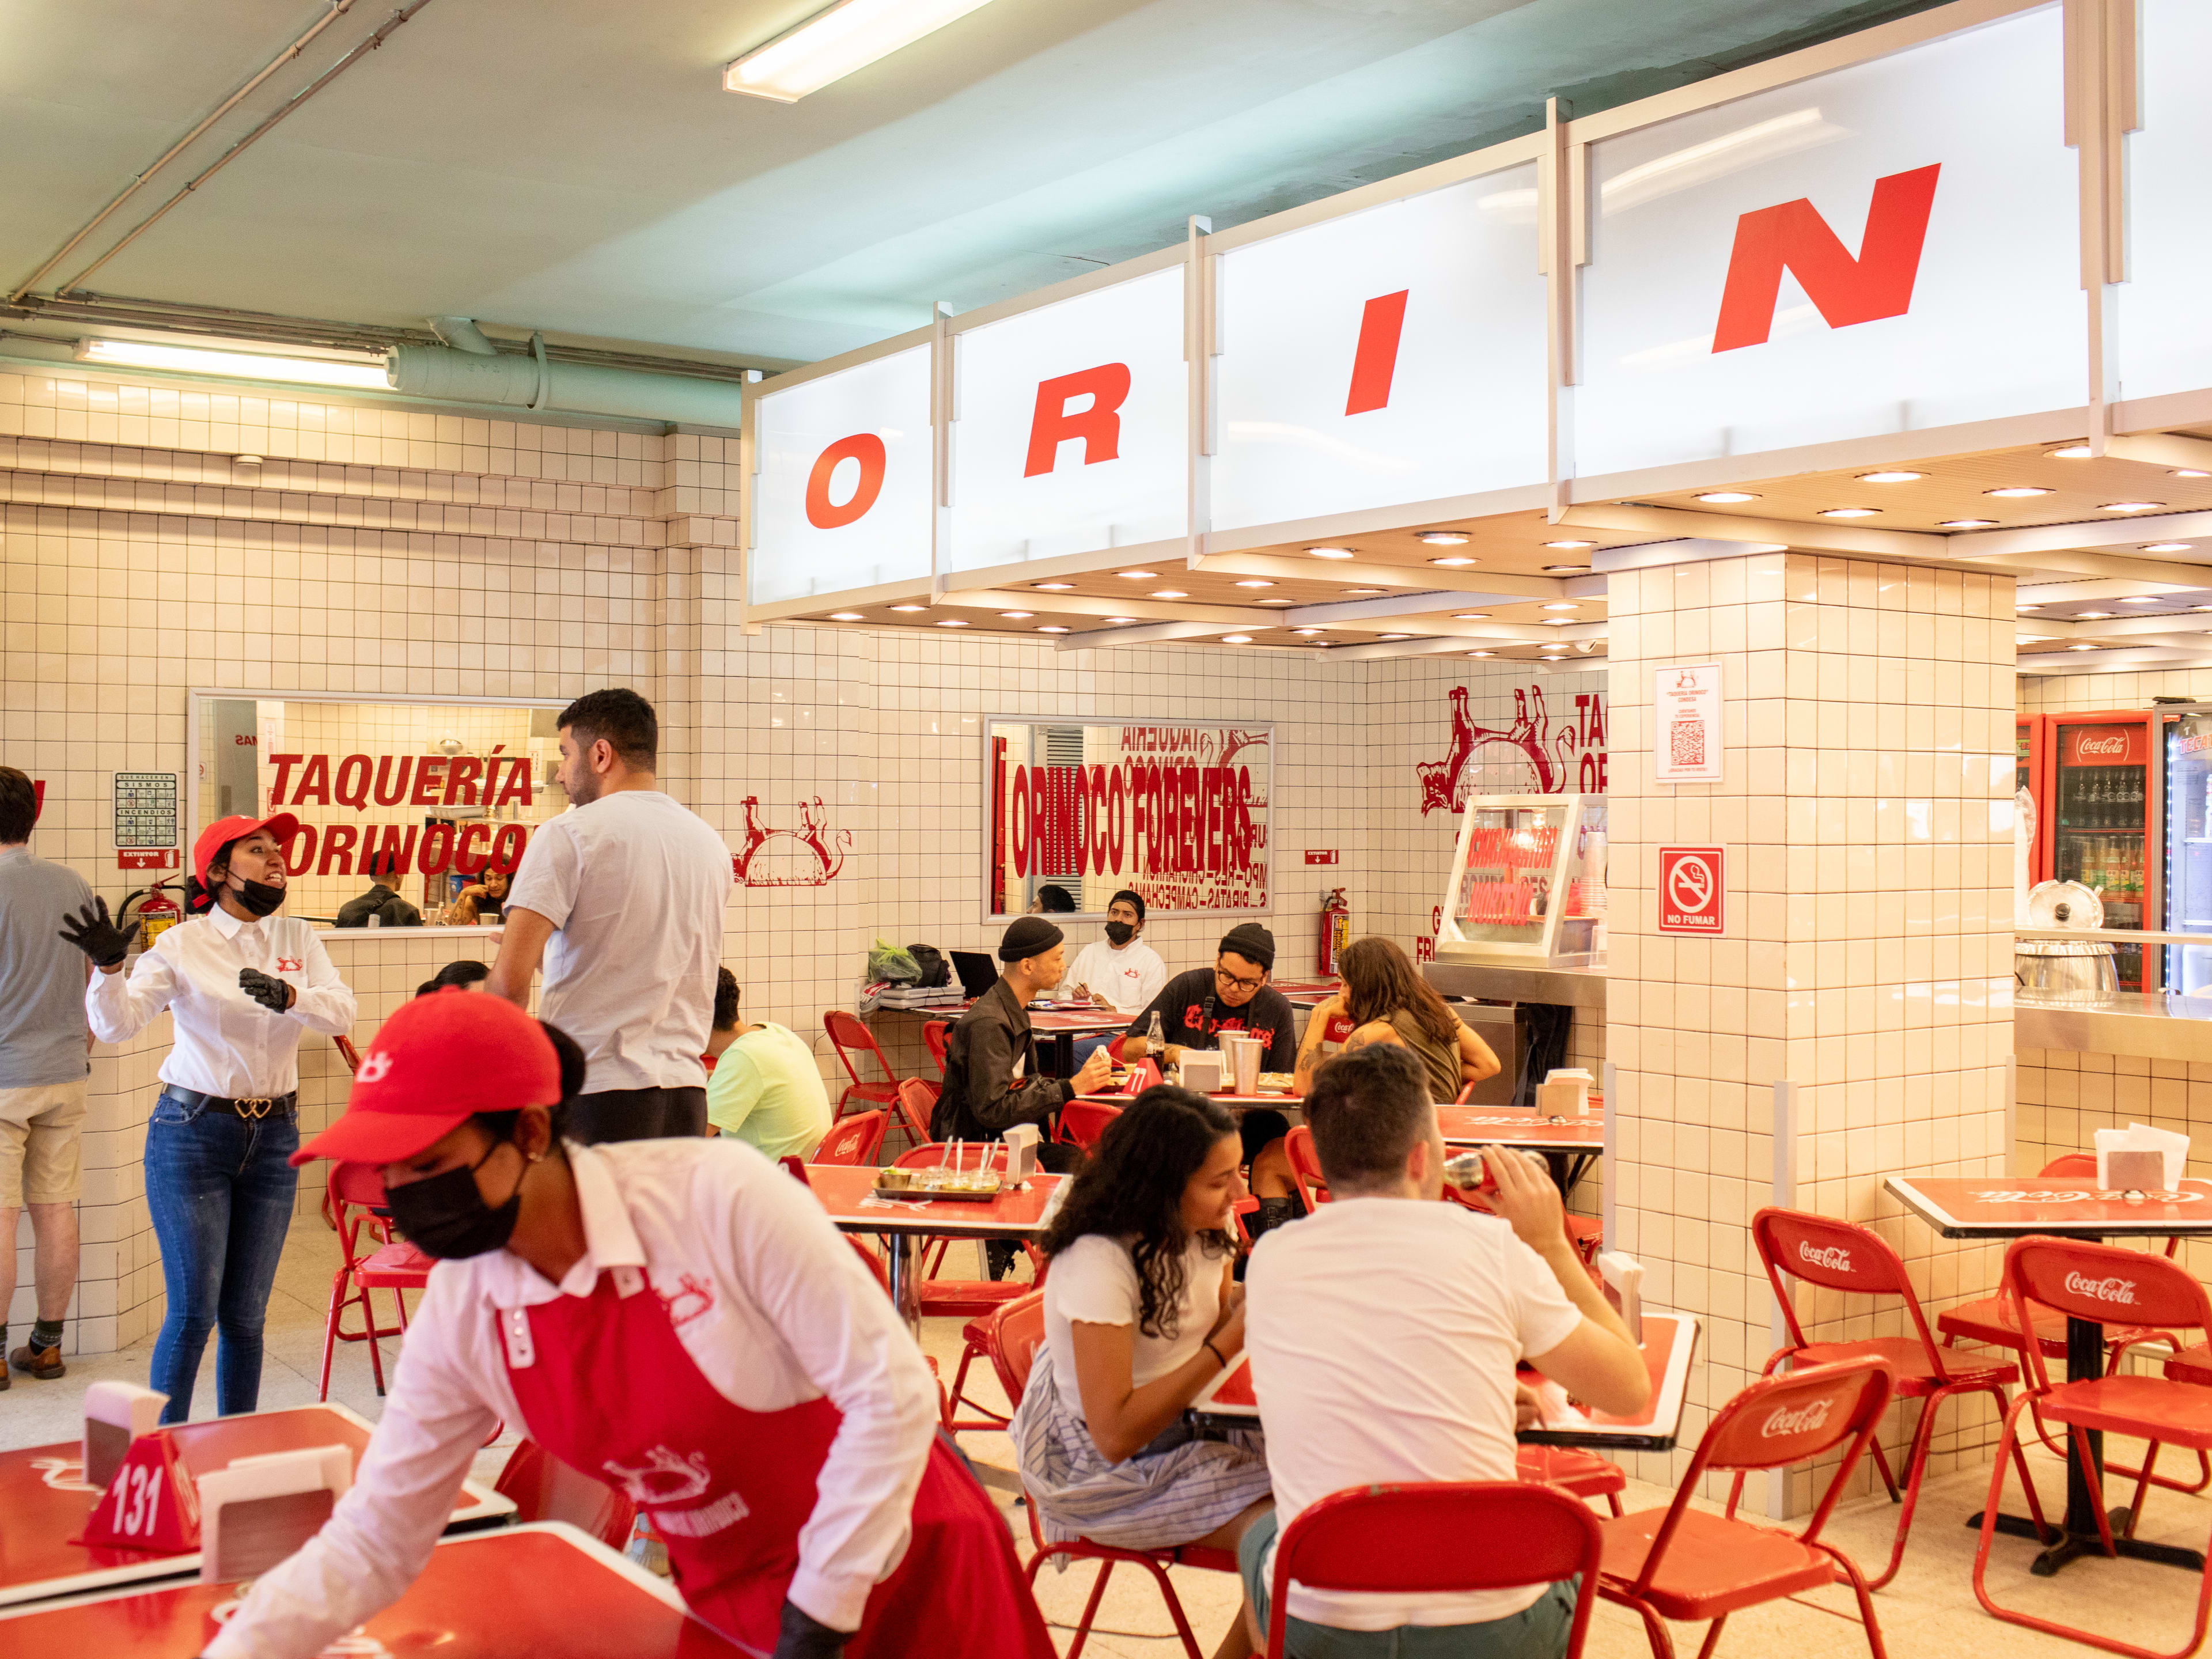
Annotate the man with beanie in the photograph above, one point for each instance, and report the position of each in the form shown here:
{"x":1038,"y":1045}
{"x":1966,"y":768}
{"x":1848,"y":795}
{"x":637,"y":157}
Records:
{"x":991,"y":1080}
{"x":1233,"y":995}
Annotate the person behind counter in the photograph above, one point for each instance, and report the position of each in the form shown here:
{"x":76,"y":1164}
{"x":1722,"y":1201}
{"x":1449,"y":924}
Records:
{"x":241,"y":984}
{"x":381,"y":901}
{"x":818,"y":1510}
{"x":1387,"y":1000}
{"x":765,"y":1088}
{"x":1233,"y":995}
{"x":479,"y":903}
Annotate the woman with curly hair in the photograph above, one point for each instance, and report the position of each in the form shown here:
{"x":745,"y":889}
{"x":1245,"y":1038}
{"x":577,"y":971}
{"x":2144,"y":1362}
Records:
{"x":1140,"y":1312}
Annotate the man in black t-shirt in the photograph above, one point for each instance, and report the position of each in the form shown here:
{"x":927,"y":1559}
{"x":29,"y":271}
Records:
{"x":1233,"y":995}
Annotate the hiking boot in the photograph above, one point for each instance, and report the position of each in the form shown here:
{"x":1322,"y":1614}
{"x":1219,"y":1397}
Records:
{"x":45,"y":1363}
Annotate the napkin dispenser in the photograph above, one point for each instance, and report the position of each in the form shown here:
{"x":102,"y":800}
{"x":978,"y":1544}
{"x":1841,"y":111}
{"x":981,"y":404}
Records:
{"x":2140,"y":1159}
{"x":1201,"y":1070}
{"x":1622,"y":1275}
{"x":1021,"y":1152}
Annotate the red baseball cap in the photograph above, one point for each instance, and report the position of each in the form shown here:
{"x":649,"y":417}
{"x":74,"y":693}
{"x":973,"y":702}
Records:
{"x":223,"y":831}
{"x":434,"y":1064}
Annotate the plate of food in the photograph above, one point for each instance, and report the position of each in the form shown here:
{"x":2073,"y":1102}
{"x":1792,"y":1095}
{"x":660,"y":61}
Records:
{"x":1274,"y":1083}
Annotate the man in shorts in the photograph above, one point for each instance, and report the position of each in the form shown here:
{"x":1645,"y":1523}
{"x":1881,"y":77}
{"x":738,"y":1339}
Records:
{"x":44,"y":1040}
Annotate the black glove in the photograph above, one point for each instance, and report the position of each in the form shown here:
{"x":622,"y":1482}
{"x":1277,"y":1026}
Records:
{"x":802,"y":1638}
{"x":274,"y":995}
{"x":97,"y":935}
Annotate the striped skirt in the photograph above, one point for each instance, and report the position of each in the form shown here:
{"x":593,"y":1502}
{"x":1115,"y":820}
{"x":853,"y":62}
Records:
{"x":1177,"y":1489}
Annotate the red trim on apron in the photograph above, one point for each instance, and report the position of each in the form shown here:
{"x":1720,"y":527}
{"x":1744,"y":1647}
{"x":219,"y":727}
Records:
{"x":607,"y":1386}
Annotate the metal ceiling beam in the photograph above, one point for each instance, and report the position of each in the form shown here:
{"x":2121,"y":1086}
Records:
{"x":2108,"y":588}
{"x":2124,"y":531}
{"x":2167,"y":568}
{"x":1675,"y":523}
{"x":1140,"y":633}
{"x":1497,"y":587}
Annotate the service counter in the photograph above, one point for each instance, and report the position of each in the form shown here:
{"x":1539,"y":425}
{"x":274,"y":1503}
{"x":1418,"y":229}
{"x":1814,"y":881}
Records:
{"x":2154,"y":1025}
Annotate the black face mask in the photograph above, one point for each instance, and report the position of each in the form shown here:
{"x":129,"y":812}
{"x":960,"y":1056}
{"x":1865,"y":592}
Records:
{"x":444,"y":1216}
{"x":259,"y":897}
{"x":1119,"y":932}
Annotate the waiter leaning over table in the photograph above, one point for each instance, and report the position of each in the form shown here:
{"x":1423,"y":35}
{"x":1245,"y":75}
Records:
{"x":677,"y":1317}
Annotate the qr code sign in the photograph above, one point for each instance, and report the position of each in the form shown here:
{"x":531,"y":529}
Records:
{"x":1687,"y":743}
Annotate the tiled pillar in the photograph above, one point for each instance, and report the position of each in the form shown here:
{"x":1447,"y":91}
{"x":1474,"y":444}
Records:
{"x":1865,"y":813}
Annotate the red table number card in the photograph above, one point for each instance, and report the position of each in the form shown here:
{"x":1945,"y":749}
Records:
{"x":151,"y":1505}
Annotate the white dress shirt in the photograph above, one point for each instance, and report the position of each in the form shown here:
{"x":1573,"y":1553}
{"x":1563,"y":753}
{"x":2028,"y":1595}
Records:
{"x":227,"y":1044}
{"x":792,"y":1315}
{"x":1128,"y":978}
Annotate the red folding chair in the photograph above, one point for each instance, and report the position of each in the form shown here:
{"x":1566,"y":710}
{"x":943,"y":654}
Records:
{"x":1011,"y":1338}
{"x":1082,"y":1121}
{"x":1585,"y":1233}
{"x":1465,"y":1097}
{"x":795,"y":1167}
{"x":933,"y":1033}
{"x":1689,"y":1564}
{"x":1305,"y":1168}
{"x":354,"y":1193}
{"x":544,"y":1488}
{"x":1572,"y":1469}
{"x":2083,"y":1280}
{"x":849,"y":1035}
{"x":917,"y":1106}
{"x":855,"y":1139}
{"x":971,"y":1299}
{"x":1413,"y":1537}
{"x":1841,"y":1256}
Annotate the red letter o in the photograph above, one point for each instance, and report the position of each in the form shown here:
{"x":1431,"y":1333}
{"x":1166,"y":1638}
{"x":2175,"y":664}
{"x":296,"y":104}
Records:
{"x":867,"y":449}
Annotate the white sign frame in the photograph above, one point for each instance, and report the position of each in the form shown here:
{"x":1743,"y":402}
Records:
{"x":1688,"y":696}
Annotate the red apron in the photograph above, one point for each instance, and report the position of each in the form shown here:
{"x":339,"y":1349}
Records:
{"x":607,"y":1387}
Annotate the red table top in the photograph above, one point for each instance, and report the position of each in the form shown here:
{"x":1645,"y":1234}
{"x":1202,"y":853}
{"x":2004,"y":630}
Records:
{"x":536,"y":1592}
{"x":1056,"y":1020}
{"x":2010,"y":1206}
{"x":1235,"y":1103}
{"x":1501,"y":1126}
{"x":45,"y":1502}
{"x":843,"y":1190}
{"x":1669,"y":1341}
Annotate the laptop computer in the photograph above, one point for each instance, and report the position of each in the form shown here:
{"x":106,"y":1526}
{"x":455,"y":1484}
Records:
{"x":978,"y":972}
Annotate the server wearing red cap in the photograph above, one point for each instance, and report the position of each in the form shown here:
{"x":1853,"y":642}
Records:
{"x":677,"y":1317}
{"x":240,"y":983}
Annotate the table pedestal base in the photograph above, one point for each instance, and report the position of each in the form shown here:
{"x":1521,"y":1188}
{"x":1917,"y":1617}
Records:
{"x":2072,"y":1546}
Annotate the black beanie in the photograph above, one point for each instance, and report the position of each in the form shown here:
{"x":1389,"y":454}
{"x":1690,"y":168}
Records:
{"x":1250,"y":940}
{"x":1028,"y":936}
{"x":1129,"y":896}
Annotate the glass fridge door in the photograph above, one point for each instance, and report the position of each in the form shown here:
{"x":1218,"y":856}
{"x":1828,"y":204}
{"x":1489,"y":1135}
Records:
{"x":2188,"y":743}
{"x":2100,"y":791}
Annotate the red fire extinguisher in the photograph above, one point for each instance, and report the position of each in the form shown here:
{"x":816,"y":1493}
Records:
{"x":1335,"y":930}
{"x":158,"y":914}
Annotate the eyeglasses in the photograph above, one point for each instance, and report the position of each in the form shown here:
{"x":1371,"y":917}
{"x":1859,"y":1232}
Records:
{"x":1230,"y":982}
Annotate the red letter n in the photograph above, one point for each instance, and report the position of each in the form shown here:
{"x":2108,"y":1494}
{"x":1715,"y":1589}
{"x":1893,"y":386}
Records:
{"x":1878,"y":283}
{"x":1377,"y":359}
{"x":1099,"y":426}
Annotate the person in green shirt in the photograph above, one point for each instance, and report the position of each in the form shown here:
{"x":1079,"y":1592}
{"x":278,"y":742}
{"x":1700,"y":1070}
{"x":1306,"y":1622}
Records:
{"x":765,"y":1088}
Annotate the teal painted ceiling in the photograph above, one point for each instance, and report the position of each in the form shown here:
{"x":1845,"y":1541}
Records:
{"x":574,"y":165}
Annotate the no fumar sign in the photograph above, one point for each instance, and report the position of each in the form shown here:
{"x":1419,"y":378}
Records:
{"x":1691,"y":890}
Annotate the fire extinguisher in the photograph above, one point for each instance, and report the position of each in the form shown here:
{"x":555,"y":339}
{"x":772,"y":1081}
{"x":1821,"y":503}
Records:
{"x":1335,"y":929}
{"x":157,"y":915}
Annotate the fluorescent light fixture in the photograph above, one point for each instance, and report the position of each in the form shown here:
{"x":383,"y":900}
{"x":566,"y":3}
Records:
{"x":844,"y":616}
{"x":1848,"y":512}
{"x":833,"y":43}
{"x":2167,"y":547}
{"x":1444,"y":537}
{"x":1968,"y":524}
{"x":362,"y":373}
{"x":2130,"y":506}
{"x":1726,"y":497}
{"x":2016,"y":492}
{"x":1330,"y":552}
{"x":1890,"y":477}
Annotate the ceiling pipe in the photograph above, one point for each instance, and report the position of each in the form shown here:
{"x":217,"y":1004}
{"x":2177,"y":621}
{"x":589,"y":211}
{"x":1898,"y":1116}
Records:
{"x":536,"y":382}
{"x":462,"y":335}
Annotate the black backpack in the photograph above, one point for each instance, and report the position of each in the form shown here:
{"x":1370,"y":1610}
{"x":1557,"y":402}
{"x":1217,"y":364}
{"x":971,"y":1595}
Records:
{"x":936,"y":969}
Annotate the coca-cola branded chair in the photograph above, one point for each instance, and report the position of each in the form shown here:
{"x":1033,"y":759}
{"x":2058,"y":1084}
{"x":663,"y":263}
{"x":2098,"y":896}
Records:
{"x":1838,"y":1255}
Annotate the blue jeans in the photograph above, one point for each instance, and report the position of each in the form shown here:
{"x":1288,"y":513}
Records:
{"x":1537,"y":1631}
{"x":221,"y":1194}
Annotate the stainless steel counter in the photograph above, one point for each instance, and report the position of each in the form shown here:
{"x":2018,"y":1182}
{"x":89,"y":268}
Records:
{"x":2154,"y":1026}
{"x":1573,"y":987}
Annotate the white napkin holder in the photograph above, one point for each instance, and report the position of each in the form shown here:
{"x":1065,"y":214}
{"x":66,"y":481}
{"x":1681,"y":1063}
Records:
{"x":256,"y":1511}
{"x":115,"y":1414}
{"x":2140,"y":1159}
{"x":1021,"y":1152}
{"x":1622,"y":1275}
{"x":1201,"y":1070}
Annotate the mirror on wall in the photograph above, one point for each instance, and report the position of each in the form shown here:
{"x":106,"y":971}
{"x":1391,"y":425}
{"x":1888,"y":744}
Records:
{"x":428,"y":797}
{"x":1177,"y":810}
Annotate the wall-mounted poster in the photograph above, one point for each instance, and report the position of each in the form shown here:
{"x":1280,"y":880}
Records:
{"x":1175,"y":810}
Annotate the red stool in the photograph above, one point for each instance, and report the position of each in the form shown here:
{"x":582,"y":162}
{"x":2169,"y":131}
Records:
{"x":849,"y":1035}
{"x":1011,"y":1338}
{"x":1686,"y":1563}
{"x":354,"y":1193}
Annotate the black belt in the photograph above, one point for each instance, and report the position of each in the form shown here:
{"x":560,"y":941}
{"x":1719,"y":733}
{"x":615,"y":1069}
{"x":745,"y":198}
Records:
{"x":251,"y":1106}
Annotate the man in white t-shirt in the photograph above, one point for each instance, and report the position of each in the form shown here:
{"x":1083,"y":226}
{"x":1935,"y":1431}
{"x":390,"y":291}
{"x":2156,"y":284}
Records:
{"x":1383,"y":1331}
{"x":622,"y":895}
{"x":1120,"y":972}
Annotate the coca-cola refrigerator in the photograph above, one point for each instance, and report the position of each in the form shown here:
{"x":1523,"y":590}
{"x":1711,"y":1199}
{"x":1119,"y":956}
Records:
{"x":2027,"y":755}
{"x":2185,"y":732}
{"x":2097,"y":802}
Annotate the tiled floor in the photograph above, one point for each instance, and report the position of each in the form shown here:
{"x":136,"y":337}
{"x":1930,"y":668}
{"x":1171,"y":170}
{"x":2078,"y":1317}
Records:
{"x":1928,"y":1610}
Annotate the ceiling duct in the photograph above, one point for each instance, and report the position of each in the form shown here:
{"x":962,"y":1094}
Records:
{"x":476,"y":372}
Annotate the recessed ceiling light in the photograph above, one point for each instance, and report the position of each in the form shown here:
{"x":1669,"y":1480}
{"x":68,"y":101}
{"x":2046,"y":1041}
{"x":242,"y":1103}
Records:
{"x":2071,"y":453}
{"x":2093,"y":616}
{"x":1890,"y":478}
{"x":1053,"y":588}
{"x":1552,"y":659}
{"x":1274,"y":601}
{"x":1563,"y":604}
{"x":1363,"y":593}
{"x":1454,"y":562}
{"x":1305,"y":633}
{"x":1444,"y":537}
{"x":2167,"y":547}
{"x":1323,"y":644}
{"x":1116,"y":622}
{"x":2201,"y":607}
{"x":1137,"y":575}
{"x":1470,"y":616}
{"x":2037,"y":606}
{"x":1016,"y":616}
{"x":1725,"y":497}
{"x":1848,"y":512}
{"x":1169,"y":593}
{"x":2014,"y":492}
{"x":1567,"y":570}
{"x":1330,"y":552}
{"x":1567,"y":547}
{"x":1557,"y":622}
{"x":952,"y":622}
{"x":1966,"y":524}
{"x":1237,"y":639}
{"x":2189,"y":472}
{"x":1052,"y":628}
{"x":834,"y":43}
{"x":1394,"y":637}
{"x":2130,"y":506}
{"x":2146,"y":600}
{"x":1255,"y":581}
{"x":2033,"y":639}
{"x":2081,"y":647}
{"x":1482,"y":653}
{"x":909,"y":607}
{"x":844,"y":616}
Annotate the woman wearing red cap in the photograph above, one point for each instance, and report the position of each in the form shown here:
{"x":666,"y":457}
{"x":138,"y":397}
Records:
{"x":677,"y":1318}
{"x":240,"y":983}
